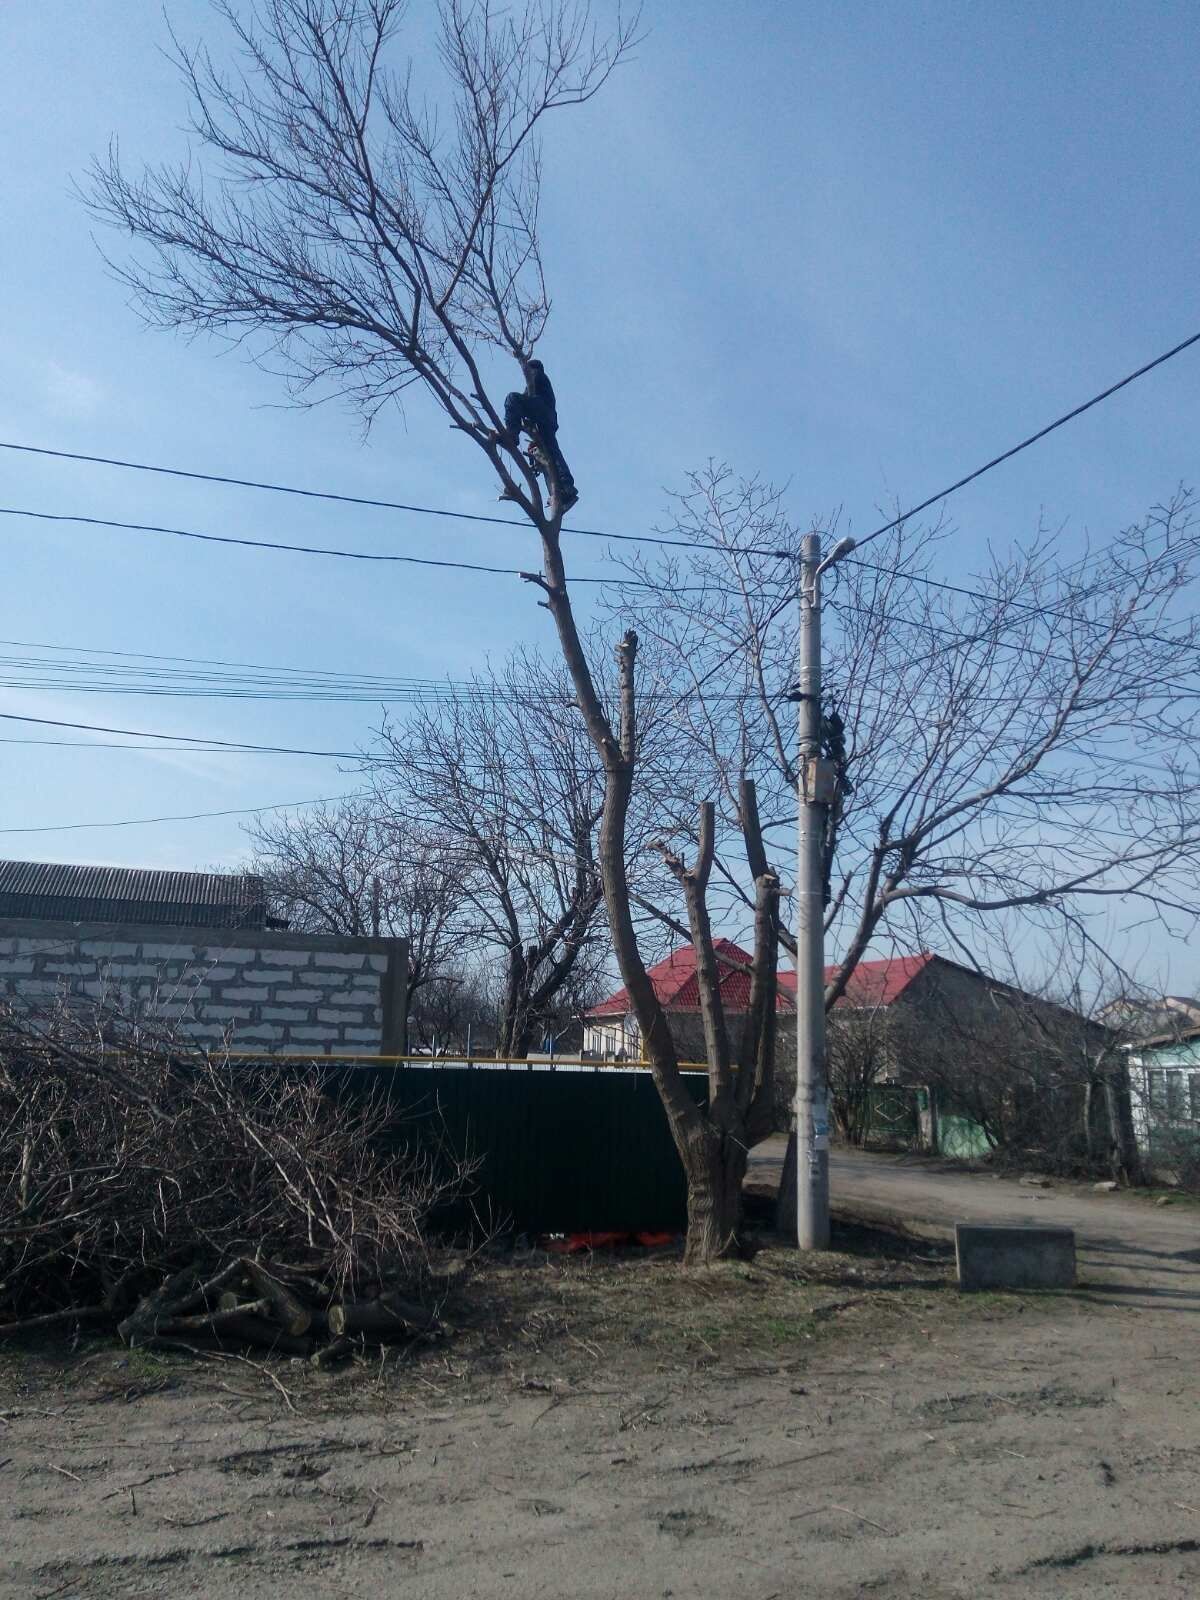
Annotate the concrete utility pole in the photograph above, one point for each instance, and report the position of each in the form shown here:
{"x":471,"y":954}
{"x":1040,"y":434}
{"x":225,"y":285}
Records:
{"x":816,"y":793}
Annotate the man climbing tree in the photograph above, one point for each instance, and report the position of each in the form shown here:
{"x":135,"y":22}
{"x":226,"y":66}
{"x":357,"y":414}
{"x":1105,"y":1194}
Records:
{"x":535,"y":411}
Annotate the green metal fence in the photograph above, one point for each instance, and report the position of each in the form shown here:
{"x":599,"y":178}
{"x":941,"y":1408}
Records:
{"x":560,"y":1150}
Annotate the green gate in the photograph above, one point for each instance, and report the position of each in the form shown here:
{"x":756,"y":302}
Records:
{"x":892,"y":1116}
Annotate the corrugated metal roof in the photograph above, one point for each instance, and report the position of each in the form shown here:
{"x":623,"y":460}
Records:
{"x":71,"y":893}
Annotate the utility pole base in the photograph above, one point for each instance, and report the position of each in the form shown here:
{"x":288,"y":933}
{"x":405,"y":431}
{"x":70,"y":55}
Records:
{"x":785,"y":1204}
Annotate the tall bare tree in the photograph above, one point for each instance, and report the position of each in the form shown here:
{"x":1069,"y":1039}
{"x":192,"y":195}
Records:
{"x":343,"y":867}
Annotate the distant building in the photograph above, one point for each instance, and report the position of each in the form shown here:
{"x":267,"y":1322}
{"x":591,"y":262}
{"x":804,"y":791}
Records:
{"x":1165,"y":1077}
{"x":47,"y":891}
{"x":1144,"y":1019}
{"x":610,"y":1030}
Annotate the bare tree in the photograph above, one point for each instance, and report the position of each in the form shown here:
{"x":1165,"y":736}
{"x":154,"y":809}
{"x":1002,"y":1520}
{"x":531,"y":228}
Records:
{"x":368,"y":246}
{"x":502,"y":770}
{"x":1020,"y":744}
{"x":858,"y":1056}
{"x":355,"y":235}
{"x":456,"y":1013}
{"x":343,"y":868}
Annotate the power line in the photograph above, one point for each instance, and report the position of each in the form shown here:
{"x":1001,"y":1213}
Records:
{"x":1019,"y":605}
{"x":187,"y":738}
{"x":255,"y":680}
{"x":199,"y":750}
{"x":361,"y":500}
{"x":304,"y":549}
{"x":591,"y":533}
{"x":969,"y":639}
{"x":1033,"y":438}
{"x":188,"y":816}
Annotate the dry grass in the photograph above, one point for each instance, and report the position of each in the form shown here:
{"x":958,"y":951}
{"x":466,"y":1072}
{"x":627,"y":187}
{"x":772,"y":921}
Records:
{"x":632,"y":1312}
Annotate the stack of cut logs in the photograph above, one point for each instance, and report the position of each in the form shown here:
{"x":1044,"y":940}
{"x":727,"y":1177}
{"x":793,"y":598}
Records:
{"x":270,"y":1306}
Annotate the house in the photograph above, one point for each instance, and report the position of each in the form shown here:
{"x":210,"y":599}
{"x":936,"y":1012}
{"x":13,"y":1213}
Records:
{"x":47,"y":891}
{"x":610,"y":1030}
{"x":1164,"y":1073}
{"x":920,"y":999}
{"x":963,"y":1060}
{"x":991,"y":1064}
{"x":1145,"y":1018}
{"x":917,"y":990}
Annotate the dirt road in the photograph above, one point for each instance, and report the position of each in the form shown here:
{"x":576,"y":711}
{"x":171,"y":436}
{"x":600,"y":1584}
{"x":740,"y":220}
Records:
{"x":1129,"y":1250}
{"x":843,"y":1426}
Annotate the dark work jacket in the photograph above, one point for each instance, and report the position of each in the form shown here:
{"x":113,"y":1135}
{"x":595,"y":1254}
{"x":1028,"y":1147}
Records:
{"x":538,"y":387}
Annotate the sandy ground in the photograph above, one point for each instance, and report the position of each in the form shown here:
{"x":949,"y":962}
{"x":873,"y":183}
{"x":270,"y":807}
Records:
{"x":1130,"y":1251}
{"x":851,"y":1427}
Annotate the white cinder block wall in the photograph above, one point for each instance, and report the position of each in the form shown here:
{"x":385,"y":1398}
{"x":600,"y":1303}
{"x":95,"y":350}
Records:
{"x":264,"y":992}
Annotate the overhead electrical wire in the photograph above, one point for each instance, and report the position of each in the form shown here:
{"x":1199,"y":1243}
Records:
{"x":199,"y":744}
{"x":317,"y":550}
{"x":187,"y":816}
{"x":961,"y":640}
{"x":1014,"y":450}
{"x":1114,"y":759}
{"x":1188,"y":547}
{"x":590,"y":533}
{"x":235,"y":745}
{"x":350,"y":499}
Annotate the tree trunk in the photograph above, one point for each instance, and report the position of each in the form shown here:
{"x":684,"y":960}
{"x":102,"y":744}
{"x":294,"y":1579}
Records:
{"x":514,"y":984}
{"x":715,"y":1171}
{"x":1089,"y":1121}
{"x":1118,"y":1100}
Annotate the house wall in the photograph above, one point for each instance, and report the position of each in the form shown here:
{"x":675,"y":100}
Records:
{"x":1165,"y":1083}
{"x":612,"y":1039}
{"x":1034,"y":1074}
{"x":264,"y":992}
{"x":618,"y":1037}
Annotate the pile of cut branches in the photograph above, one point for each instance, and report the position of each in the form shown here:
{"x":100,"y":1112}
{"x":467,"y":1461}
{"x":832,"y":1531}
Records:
{"x":179,"y":1197}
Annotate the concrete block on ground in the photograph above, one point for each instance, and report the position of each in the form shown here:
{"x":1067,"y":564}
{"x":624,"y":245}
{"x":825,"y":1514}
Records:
{"x":1014,"y":1257}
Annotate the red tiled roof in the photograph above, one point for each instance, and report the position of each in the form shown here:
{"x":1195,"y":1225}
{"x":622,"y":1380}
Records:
{"x":873,"y":983}
{"x":878,"y":983}
{"x":678,"y":989}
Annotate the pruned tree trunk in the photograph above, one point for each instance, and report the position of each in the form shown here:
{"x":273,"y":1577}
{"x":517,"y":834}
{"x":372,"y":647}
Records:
{"x":716,"y":1173}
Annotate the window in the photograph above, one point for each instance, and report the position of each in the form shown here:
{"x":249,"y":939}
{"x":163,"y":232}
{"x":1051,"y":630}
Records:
{"x":1156,"y":1085}
{"x":1175,"y":1087}
{"x":1194,"y":1095}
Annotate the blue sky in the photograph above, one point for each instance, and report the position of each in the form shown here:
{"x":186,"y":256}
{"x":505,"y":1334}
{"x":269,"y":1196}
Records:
{"x":854,"y":246}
